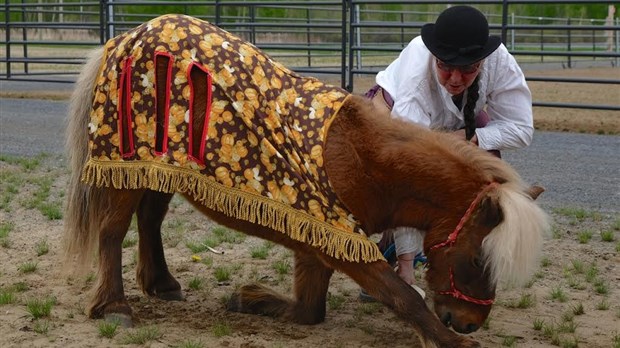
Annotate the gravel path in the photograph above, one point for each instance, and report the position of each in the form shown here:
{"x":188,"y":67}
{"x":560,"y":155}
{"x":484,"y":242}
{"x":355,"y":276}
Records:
{"x":578,"y":170}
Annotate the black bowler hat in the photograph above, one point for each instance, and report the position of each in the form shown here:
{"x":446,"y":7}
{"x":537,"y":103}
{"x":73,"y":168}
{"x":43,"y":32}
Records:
{"x":460,"y":36}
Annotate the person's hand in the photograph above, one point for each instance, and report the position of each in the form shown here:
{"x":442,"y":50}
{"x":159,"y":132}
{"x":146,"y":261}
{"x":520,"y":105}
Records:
{"x":460,"y":134}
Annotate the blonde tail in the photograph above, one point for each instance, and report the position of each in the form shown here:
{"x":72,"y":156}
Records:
{"x":79,"y":238}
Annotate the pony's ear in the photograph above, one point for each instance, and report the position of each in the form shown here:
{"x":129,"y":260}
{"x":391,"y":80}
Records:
{"x":490,"y":213}
{"x":535,"y":191}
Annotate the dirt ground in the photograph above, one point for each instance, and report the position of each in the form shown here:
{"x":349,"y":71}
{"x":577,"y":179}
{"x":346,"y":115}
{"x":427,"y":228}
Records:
{"x":573,"y":300}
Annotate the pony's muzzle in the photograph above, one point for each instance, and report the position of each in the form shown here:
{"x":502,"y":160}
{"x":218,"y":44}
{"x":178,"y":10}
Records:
{"x":447,"y":320}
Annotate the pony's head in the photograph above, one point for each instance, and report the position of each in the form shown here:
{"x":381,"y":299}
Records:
{"x":496,"y":241}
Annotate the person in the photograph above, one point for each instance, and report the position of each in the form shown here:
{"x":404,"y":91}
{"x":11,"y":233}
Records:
{"x":455,"y":77}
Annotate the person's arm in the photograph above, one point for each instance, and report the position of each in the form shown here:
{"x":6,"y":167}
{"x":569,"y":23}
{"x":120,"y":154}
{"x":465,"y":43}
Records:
{"x":406,"y":81}
{"x":509,"y":106}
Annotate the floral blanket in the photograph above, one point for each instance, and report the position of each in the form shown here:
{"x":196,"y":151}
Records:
{"x":183,"y":106}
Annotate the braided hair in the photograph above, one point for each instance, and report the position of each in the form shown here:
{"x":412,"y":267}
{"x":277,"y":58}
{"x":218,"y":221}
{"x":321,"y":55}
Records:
{"x":468,"y":111}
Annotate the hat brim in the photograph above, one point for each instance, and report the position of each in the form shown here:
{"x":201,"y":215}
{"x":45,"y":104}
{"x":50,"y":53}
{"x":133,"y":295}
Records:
{"x":447,"y":56}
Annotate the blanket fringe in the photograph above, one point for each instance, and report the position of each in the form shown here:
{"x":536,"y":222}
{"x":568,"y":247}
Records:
{"x":300,"y":226}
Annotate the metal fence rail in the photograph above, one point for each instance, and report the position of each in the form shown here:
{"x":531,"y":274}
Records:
{"x":45,"y":41}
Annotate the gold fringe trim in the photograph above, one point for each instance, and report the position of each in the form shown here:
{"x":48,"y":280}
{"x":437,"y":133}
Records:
{"x":298,"y":225}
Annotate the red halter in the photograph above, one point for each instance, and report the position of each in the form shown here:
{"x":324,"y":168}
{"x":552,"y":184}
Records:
{"x":454,"y":292}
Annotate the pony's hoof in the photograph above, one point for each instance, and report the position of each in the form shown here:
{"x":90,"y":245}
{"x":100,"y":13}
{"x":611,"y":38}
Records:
{"x":234,"y":303}
{"x":174,"y":295}
{"x":121,"y":319}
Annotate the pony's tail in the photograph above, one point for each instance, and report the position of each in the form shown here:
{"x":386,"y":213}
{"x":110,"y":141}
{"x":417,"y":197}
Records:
{"x":79,"y":238}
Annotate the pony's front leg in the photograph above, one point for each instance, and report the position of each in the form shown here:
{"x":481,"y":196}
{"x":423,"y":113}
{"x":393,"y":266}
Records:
{"x":311,"y":283}
{"x":115,"y":209}
{"x":152,"y":273}
{"x":382,"y":283}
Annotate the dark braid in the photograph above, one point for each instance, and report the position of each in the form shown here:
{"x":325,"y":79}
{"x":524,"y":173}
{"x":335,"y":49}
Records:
{"x":468,"y":111}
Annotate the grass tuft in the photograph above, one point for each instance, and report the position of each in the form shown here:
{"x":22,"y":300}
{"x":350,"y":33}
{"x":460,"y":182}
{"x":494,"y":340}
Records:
{"x":40,"y":308}
{"x":107,"y":329}
{"x":221,"y":329}
{"x":142,"y":335}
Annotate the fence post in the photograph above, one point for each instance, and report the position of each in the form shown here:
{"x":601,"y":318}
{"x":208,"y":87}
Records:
{"x":568,"y":44}
{"x":7,"y":34}
{"x":110,"y":19}
{"x":593,"y":38}
{"x":358,"y":37}
{"x":504,"y":21}
{"x":348,"y":85}
{"x":25,"y":39}
{"x":542,"y":41}
{"x":102,"y":23}
{"x":308,"y":41}
{"x":217,"y":12}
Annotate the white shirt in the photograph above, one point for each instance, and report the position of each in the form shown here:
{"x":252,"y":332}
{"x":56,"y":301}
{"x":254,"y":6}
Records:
{"x":418,"y":97}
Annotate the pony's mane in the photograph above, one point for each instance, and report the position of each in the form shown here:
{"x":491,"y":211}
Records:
{"x":511,"y":249}
{"x":473,"y":163}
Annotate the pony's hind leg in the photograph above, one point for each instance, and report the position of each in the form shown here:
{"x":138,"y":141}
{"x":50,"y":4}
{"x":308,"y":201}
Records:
{"x":311,"y":283}
{"x":153,"y":275}
{"x":111,"y":211}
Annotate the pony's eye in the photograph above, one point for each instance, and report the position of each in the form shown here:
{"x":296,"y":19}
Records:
{"x":478,"y":262}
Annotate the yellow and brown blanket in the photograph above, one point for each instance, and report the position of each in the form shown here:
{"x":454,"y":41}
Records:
{"x":256,"y":152}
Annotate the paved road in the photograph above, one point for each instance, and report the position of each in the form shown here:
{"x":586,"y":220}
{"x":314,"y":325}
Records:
{"x":578,"y":170}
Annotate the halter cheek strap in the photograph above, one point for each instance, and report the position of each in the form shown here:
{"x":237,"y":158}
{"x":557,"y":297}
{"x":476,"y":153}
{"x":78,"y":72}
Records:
{"x":454,"y":292}
{"x":452,"y":237}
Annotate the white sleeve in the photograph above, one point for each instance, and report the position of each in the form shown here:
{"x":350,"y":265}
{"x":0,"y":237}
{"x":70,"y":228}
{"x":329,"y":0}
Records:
{"x":406,"y":79}
{"x":509,"y":106}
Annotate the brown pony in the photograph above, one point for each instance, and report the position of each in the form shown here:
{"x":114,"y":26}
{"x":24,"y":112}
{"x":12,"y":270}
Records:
{"x":482,"y":227}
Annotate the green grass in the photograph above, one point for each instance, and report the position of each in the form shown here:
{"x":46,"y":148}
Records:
{"x":222,"y":274}
{"x":538,"y":324}
{"x":282,"y":267}
{"x":129,"y":241}
{"x":591,"y":273}
{"x":601,"y":287}
{"x":509,"y":341}
{"x":602,"y":305}
{"x":190,"y":344}
{"x":142,"y":335}
{"x":616,"y":340}
{"x":584,"y":236}
{"x":41,"y":327}
{"x":578,"y":309}
{"x":221,"y":329}
{"x":40,"y":308}
{"x":107,"y":329}
{"x":27,"y":164}
{"x":20,"y":287}
{"x":558,"y":294}
{"x":7,"y":296}
{"x":28,"y":267}
{"x":608,"y":236}
{"x":525,"y":301}
{"x":196,"y":283}
{"x":261,"y":252}
{"x":42,"y":247}
{"x":6,"y":227}
{"x":545,"y":262}
{"x":335,"y":302}
{"x":578,"y":266}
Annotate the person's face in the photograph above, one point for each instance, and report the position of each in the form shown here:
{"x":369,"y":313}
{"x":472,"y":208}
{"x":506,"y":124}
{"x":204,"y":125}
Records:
{"x":456,"y":79}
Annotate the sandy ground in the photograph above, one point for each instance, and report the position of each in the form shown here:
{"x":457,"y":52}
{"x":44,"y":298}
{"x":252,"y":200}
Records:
{"x":575,"y":295}
{"x":585,"y":274}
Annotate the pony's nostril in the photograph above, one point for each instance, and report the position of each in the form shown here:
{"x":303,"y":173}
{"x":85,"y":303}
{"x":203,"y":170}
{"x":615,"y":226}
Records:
{"x":472,"y":328}
{"x":445,"y":318}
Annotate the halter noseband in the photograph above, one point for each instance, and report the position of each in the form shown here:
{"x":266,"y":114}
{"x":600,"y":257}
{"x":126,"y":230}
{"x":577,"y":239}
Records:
{"x":454,"y":292}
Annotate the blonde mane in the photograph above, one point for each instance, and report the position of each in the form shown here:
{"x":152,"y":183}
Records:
{"x":513,"y":248}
